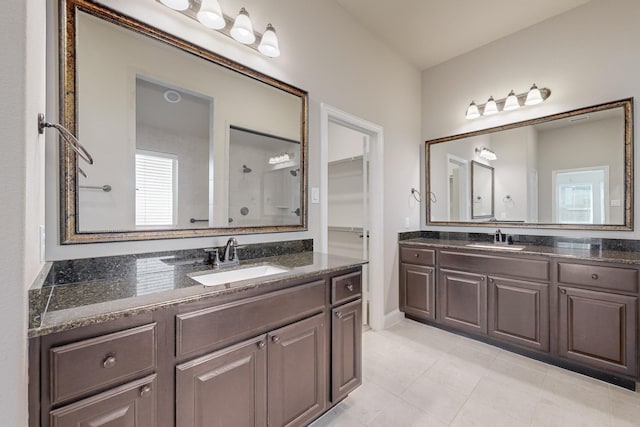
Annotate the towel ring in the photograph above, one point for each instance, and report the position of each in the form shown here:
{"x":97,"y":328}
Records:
{"x":68,"y":137}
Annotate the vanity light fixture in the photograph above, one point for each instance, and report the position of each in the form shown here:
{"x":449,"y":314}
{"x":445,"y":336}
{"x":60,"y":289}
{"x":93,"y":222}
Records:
{"x":209,"y":14}
{"x":486,"y":154}
{"x":280,"y":158}
{"x":512,"y":102}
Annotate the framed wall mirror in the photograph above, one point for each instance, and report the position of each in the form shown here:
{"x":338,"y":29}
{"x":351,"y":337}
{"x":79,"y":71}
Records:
{"x":185,"y":143}
{"x":572,"y":170}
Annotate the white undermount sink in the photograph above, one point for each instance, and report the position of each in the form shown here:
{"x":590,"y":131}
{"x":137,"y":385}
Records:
{"x":499,"y":247}
{"x":229,"y":276}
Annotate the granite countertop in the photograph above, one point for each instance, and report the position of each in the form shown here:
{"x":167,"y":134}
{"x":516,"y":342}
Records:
{"x":576,"y":253}
{"x":150,"y":283}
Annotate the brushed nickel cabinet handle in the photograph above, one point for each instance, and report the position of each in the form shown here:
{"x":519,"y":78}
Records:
{"x":482,"y":279}
{"x":349,"y":287}
{"x":594,"y":276}
{"x":260,"y":344}
{"x":109,"y":362}
{"x":145,"y":391}
{"x":416,"y":255}
{"x":491,"y":279}
{"x":338,"y":315}
{"x":275,"y":339}
{"x":563,"y":291}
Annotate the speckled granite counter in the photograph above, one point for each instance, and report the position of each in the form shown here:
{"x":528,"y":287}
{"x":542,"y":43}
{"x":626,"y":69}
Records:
{"x":595,"y":254}
{"x":149,"y":283}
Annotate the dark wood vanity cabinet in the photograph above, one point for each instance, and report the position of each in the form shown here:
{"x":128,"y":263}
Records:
{"x":271,"y":358}
{"x":417,"y":282}
{"x":463,"y":300}
{"x":598,"y":322}
{"x":578,"y":314}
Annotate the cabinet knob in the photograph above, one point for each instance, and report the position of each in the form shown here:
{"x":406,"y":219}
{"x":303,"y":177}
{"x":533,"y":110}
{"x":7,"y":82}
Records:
{"x":482,"y":279}
{"x":261,"y":344}
{"x":594,"y":276}
{"x":563,"y":291}
{"x":491,"y":279}
{"x":338,"y":315}
{"x":349,"y":286}
{"x":275,"y":339}
{"x":145,"y":390}
{"x":109,"y":362}
{"x":416,"y":255}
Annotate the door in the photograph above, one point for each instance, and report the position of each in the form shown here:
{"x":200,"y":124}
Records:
{"x":346,"y":349}
{"x":130,"y":405}
{"x":598,"y":329}
{"x":519,"y":312}
{"x":297,"y":372}
{"x":463,"y":300}
{"x":348,"y":199}
{"x":417,"y":291}
{"x":225,"y":388}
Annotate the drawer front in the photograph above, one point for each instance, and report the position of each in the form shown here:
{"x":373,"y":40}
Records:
{"x":346,"y":287}
{"x":533,"y":269}
{"x":420,"y":256}
{"x":92,"y":364}
{"x":214,"y":327}
{"x":616,"y":278}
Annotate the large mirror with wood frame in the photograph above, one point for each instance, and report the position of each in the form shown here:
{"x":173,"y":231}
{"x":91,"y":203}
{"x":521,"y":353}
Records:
{"x":572,"y":170}
{"x":185,"y":142}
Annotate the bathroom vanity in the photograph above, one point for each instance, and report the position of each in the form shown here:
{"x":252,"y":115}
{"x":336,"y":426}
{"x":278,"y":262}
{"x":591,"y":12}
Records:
{"x":278,"y":350}
{"x":568,"y":307}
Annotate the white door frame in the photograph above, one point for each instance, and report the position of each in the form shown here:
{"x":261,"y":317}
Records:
{"x":376,"y":200}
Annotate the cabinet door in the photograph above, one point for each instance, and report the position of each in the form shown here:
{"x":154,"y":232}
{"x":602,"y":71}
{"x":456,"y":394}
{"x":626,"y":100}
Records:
{"x":225,"y":388}
{"x":297,"y":373}
{"x":519,"y":312}
{"x":346,"y":349}
{"x":598,"y":329}
{"x":417,"y":291}
{"x":463,"y":300}
{"x":130,"y":405}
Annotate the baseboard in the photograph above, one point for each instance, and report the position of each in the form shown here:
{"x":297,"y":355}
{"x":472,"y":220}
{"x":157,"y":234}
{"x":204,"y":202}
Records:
{"x":392,"y":318}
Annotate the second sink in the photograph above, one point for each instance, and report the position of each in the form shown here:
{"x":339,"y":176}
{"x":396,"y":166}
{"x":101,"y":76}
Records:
{"x":228,"y":276}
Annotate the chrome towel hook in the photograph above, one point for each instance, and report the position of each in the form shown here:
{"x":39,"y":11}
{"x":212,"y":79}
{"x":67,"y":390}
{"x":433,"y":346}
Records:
{"x":68,"y":137}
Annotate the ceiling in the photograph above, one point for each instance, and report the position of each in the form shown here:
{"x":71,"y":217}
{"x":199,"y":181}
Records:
{"x":429,"y":32}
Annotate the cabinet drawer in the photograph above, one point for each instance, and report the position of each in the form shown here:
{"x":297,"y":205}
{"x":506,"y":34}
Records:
{"x":214,"y":327}
{"x":616,"y":278}
{"x":413,"y":255}
{"x":88,"y":365}
{"x":496,"y":265}
{"x":346,"y":287}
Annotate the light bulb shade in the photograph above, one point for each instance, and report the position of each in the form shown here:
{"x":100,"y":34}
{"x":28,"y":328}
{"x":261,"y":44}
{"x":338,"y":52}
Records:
{"x":210,"y":15}
{"x":269,"y":43}
{"x":472,"y":111}
{"x":490,"y":107}
{"x":176,"y":4}
{"x":511,"y":103}
{"x":534,"y":96}
{"x":242,"y":29}
{"x":486,"y":154}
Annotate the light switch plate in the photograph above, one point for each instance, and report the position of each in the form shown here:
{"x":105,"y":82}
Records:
{"x":315,"y":195}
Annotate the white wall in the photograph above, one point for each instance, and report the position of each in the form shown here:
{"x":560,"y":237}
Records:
{"x":586,"y":56}
{"x":21,"y":191}
{"x":340,"y":64}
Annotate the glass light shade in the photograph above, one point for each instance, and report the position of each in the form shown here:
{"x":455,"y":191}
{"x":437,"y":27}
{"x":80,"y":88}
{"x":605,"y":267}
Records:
{"x":511,"y":103}
{"x":176,"y":4}
{"x":269,"y":43}
{"x":472,"y":111}
{"x":534,"y":96}
{"x":486,"y":154}
{"x":490,"y":107}
{"x":242,"y":29}
{"x":210,"y":15}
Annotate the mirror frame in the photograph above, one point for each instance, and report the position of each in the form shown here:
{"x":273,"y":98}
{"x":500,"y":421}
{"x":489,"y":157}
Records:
{"x":475,"y":166}
{"x":625,"y":104}
{"x":69,"y":232}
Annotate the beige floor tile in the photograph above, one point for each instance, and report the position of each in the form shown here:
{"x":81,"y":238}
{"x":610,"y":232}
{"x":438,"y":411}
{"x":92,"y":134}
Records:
{"x":561,"y":413}
{"x":515,"y":402}
{"x":458,"y":374}
{"x":400,"y":413}
{"x":438,"y":400}
{"x":475,"y":414}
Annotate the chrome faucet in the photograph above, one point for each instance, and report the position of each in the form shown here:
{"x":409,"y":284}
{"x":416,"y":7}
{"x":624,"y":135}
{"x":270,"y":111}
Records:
{"x":229,"y":256}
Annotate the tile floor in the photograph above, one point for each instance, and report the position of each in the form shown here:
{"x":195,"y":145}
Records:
{"x":416,"y":375}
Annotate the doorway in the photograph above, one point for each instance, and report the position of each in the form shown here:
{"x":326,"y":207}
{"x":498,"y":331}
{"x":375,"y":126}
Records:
{"x":355,"y":166}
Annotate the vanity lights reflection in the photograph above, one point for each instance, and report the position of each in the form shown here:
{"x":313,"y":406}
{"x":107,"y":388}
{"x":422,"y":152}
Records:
{"x":512,"y":102}
{"x":209,"y":14}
